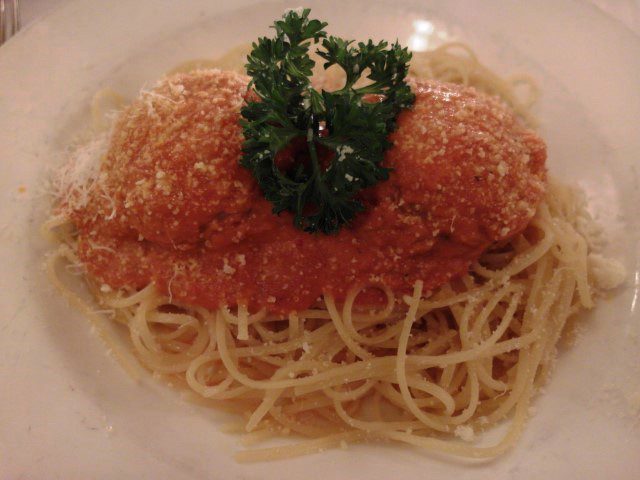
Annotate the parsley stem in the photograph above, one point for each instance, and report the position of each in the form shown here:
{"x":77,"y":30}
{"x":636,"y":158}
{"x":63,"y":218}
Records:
{"x":311,"y":142}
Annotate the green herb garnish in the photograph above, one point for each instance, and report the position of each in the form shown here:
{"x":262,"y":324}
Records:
{"x":334,"y":141}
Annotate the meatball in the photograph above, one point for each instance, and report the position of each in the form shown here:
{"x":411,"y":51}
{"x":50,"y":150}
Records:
{"x":173,"y":160}
{"x":463,"y":165}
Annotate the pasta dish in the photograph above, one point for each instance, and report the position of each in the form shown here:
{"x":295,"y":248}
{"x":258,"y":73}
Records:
{"x":428,"y":314}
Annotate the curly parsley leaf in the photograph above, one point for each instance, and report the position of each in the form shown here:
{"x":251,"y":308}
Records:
{"x":337,"y":139}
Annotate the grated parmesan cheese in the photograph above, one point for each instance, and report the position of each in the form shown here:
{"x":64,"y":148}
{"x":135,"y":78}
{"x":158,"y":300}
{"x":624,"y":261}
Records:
{"x":465,"y":433}
{"x":343,"y":151}
{"x":607,"y":273}
{"x":226,"y":268}
{"x":77,"y":178}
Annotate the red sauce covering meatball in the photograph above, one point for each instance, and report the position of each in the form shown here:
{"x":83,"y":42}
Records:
{"x":174,"y":208}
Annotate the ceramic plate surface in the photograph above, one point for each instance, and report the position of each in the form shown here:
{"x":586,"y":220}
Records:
{"x":68,"y":410}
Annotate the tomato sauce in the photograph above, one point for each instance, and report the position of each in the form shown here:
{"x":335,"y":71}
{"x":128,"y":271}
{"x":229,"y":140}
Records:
{"x":174,"y":208}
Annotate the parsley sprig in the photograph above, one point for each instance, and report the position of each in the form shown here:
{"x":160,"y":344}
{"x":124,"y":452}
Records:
{"x":342,"y":125}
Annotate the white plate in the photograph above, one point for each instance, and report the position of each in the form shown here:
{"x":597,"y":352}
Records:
{"x":67,"y":410}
